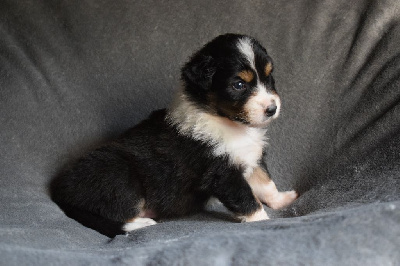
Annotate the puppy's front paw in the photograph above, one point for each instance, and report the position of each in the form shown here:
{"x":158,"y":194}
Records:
{"x":282,"y":199}
{"x":257,"y":216}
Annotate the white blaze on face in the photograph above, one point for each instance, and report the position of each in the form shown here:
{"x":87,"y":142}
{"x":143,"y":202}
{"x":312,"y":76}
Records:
{"x":257,"y":104}
{"x":245,"y":46}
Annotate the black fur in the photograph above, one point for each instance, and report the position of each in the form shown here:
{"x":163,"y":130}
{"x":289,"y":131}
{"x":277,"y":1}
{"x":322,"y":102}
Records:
{"x":173,"y":173}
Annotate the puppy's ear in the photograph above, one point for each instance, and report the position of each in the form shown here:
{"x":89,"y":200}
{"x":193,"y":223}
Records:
{"x":198,"y":73}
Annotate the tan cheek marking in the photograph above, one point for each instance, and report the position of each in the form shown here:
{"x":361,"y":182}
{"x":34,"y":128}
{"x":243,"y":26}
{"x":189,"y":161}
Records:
{"x":246,"y":75}
{"x":268,"y":69}
{"x":232,"y":111}
{"x":249,"y":108}
{"x":212,"y":100}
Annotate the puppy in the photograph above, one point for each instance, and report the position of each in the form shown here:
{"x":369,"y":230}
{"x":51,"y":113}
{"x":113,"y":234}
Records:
{"x":208,"y":144}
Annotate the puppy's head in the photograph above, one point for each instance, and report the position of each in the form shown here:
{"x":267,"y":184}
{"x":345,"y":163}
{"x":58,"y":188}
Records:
{"x":231,"y":76}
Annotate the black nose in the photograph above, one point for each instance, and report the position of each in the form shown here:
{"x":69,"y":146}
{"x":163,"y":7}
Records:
{"x":271,"y":110}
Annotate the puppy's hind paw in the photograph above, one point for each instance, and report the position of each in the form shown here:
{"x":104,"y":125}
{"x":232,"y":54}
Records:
{"x":138,"y":223}
{"x":257,"y":216}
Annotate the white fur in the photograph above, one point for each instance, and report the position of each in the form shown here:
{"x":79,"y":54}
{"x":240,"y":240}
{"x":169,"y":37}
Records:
{"x":282,"y":199}
{"x":243,"y":144}
{"x":257,"y":216}
{"x":278,"y":105}
{"x":257,"y":104}
{"x":275,"y":199}
{"x":245,"y":46}
{"x":138,"y":223}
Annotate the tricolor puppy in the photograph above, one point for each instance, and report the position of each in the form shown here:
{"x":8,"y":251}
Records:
{"x":208,"y":144}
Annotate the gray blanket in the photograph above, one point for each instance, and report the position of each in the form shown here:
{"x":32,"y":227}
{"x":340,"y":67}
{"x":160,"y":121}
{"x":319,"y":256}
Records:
{"x":74,"y":74}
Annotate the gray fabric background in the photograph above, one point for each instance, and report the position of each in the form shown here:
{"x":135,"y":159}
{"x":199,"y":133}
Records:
{"x":76,"y":73}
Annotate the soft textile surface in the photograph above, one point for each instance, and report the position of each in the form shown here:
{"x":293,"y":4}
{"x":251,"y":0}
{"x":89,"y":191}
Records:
{"x":76,"y":73}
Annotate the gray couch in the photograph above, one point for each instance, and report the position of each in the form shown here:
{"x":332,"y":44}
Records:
{"x":74,"y":74}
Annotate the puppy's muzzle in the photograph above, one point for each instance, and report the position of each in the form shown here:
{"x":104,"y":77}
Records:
{"x":271,"y":110}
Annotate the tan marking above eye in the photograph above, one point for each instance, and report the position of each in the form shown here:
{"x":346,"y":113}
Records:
{"x":246,"y":75}
{"x":268,"y":69}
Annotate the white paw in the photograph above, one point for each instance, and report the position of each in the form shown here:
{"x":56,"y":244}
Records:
{"x":257,"y":216}
{"x":282,"y":199}
{"x":138,"y":223}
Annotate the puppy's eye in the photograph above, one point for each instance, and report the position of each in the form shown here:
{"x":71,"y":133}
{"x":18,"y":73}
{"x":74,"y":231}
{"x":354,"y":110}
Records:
{"x":239,"y":85}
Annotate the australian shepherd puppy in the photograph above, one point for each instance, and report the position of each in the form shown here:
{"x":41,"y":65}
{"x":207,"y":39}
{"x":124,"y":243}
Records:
{"x":209,"y":144}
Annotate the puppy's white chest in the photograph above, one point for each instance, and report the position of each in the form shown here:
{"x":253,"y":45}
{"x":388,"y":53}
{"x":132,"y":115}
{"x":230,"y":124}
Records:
{"x":243,"y":145}
{"x":243,"y":148}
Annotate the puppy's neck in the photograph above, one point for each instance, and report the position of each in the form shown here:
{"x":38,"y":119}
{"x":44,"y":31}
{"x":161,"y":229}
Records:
{"x":244,"y":145}
{"x":194,"y":121}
